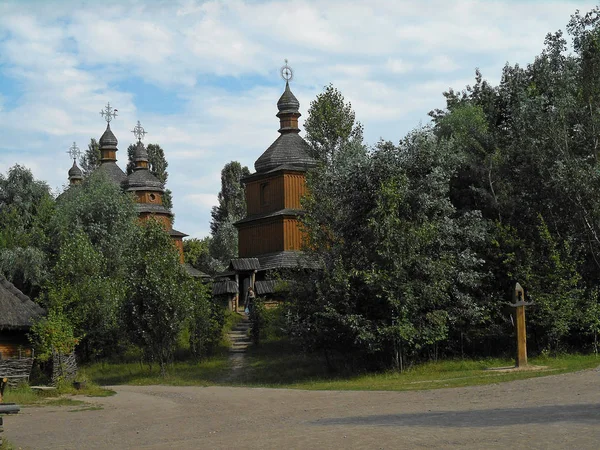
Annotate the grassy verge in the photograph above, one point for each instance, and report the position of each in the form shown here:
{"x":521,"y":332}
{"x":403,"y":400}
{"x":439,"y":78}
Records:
{"x":6,"y":445}
{"x":25,"y":396}
{"x":298,"y":372}
{"x":202,"y":373}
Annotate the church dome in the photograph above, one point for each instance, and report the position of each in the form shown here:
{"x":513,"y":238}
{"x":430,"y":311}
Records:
{"x":75,"y":172}
{"x":288,"y":103}
{"x":108,"y":139}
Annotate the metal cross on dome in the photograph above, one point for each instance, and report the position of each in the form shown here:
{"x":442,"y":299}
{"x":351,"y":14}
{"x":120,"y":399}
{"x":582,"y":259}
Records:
{"x":108,"y":113}
{"x":286,"y":72}
{"x":74,"y":151}
{"x":138,"y":131}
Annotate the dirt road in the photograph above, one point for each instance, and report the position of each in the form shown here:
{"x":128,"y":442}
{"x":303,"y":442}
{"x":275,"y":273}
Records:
{"x":560,"y":411}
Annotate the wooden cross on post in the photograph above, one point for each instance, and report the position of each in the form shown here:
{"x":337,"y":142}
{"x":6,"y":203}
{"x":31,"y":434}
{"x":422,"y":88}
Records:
{"x":520,"y":304}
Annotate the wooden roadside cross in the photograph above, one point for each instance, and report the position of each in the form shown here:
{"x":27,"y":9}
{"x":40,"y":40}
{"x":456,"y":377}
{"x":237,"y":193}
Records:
{"x":520,"y":304}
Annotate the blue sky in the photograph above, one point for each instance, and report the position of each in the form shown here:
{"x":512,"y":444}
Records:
{"x":203,"y":77}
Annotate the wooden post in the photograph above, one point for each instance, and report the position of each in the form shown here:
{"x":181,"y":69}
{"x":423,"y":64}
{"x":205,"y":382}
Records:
{"x":3,"y":383}
{"x":519,"y":304}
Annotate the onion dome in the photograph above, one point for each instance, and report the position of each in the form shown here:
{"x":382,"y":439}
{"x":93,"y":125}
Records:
{"x":75,"y":171}
{"x":108,"y":139}
{"x":75,"y":174}
{"x":140,"y":155}
{"x":288,"y":103}
{"x":289,"y":151}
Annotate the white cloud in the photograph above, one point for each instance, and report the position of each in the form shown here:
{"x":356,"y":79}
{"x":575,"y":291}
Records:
{"x":220,"y":59}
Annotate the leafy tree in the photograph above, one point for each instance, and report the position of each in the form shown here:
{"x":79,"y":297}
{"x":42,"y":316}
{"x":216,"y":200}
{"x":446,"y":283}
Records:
{"x":159,"y":301}
{"x":206,"y":321}
{"x":158,"y":167}
{"x":106,"y":215}
{"x":398,"y":266}
{"x":90,"y":160}
{"x":331,"y":125}
{"x":26,"y":208}
{"x":197,"y":253}
{"x":231,"y":208}
{"x":92,"y":232}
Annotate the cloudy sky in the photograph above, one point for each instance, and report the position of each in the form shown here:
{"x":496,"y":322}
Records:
{"x":203,"y":76}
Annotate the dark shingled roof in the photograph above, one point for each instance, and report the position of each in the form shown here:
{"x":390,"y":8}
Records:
{"x":143,"y":179}
{"x":176,"y":233}
{"x":288,"y":103}
{"x":265,"y":287}
{"x":152,"y":209}
{"x":290,"y":150}
{"x":108,"y":139}
{"x":282,"y":260}
{"x":140,"y":152}
{"x":193,"y":272}
{"x":244,"y":264}
{"x":113,"y":172}
{"x":281,"y":212}
{"x":224,"y":287}
{"x":75,"y":172}
{"x":17,"y":311}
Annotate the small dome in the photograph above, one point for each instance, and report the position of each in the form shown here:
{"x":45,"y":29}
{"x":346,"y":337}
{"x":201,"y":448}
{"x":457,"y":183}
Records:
{"x":108,"y":139}
{"x":288,"y":103}
{"x":140,"y":153}
{"x":75,"y":172}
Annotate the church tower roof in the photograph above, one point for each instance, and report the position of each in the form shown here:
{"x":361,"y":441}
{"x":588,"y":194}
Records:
{"x":108,"y":149}
{"x":75,"y":173}
{"x":289,"y":151}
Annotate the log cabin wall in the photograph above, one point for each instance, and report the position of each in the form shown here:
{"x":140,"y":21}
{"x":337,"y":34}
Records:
{"x":293,"y":235}
{"x":294,"y":189}
{"x":257,"y":238}
{"x":264,"y":195}
{"x":14,"y":344}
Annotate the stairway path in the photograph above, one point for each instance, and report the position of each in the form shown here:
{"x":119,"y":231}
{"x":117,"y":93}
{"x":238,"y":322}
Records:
{"x":240,"y":341}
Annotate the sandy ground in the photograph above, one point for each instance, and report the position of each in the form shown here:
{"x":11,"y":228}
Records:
{"x":561,"y":411}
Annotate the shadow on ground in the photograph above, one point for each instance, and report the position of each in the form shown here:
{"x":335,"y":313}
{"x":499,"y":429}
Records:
{"x":585,"y":413}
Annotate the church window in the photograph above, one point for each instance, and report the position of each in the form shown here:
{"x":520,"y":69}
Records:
{"x":264,"y":194}
{"x":152,"y":197}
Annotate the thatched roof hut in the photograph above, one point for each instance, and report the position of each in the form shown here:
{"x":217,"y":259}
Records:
{"x":17,"y":314}
{"x":17,"y":311}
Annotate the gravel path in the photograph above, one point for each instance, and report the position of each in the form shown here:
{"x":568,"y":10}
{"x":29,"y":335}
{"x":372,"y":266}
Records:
{"x":560,"y":411}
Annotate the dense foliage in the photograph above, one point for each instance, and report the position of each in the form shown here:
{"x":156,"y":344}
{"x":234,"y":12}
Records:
{"x":106,"y":280}
{"x":419,"y":244}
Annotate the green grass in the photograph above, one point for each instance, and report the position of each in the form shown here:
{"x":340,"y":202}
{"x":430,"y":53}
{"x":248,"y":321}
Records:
{"x":203,"y":373}
{"x":294,"y":372}
{"x":25,"y":396}
{"x":7,"y":445}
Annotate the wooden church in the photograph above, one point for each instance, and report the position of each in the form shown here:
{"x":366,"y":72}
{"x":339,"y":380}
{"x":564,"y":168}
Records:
{"x":269,"y":237}
{"x":148,"y":190}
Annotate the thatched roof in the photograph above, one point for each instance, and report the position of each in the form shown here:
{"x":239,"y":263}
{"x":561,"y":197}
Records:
{"x":17,"y":311}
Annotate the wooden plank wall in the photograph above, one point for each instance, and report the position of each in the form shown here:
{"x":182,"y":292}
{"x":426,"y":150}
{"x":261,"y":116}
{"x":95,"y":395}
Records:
{"x":260,"y":238}
{"x":295,"y":188}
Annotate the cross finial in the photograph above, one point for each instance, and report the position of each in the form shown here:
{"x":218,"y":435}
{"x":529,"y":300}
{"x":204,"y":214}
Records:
{"x":74,"y":151}
{"x":286,"y":72}
{"x":108,"y":113}
{"x":138,"y":131}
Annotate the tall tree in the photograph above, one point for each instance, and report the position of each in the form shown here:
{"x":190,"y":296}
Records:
{"x":90,"y":159}
{"x":159,"y":303}
{"x":26,"y":208}
{"x":158,"y":167}
{"x":93,"y":231}
{"x":231,"y":208}
{"x":197,"y":253}
{"x":331,"y":125}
